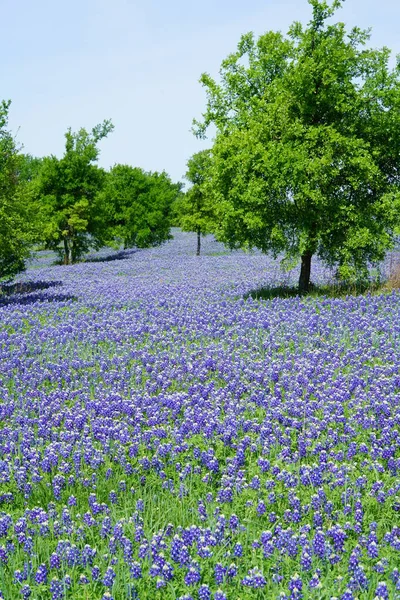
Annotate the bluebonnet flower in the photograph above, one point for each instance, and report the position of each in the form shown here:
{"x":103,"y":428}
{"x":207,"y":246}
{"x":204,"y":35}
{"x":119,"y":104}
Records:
{"x":219,"y":573}
{"x":19,"y":576}
{"x":202,"y":511}
{"x":113,"y":497}
{"x":112,"y":545}
{"x":204,"y":552}
{"x":204,"y":592}
{"x":234,"y":522}
{"x":319,"y":544}
{"x":359,"y":579}
{"x":56,"y":589}
{"x":135,"y":570}
{"x":295,"y":583}
{"x":41,"y":574}
{"x":192,"y":576}
{"x":314,"y":581}
{"x":373,"y":550}
{"x":167,"y":571}
{"x":272,"y":517}
{"x":184,"y":556}
{"x":232,"y":571}
{"x":109,"y":577}
{"x":395,"y":575}
{"x":140,"y":505}
{"x":382,"y":591}
{"x":261,"y":508}
{"x":254,"y":579}
{"x":380,"y":566}
{"x":73,"y":556}
{"x":3,"y":555}
{"x":306,"y":561}
{"x":347,"y":595}
{"x":26,"y":592}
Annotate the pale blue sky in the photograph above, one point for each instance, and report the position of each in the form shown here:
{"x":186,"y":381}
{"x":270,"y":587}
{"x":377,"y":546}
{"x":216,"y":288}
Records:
{"x":74,"y":63}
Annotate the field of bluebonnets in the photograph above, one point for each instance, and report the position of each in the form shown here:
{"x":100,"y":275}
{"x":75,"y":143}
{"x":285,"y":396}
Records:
{"x":163,"y":436}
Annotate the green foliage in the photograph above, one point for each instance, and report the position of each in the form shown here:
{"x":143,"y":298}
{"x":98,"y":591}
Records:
{"x":67,"y":189}
{"x":194,"y":209}
{"x":137,"y":206}
{"x":16,"y":216}
{"x":29,"y":168}
{"x":306,"y":155}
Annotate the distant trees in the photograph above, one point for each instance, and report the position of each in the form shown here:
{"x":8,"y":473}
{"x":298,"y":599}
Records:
{"x":17,"y":222}
{"x":70,"y":204}
{"x":67,"y":191}
{"x":306,"y":156}
{"x":137,"y":206}
{"x":83,"y":206}
{"x":195,"y":210}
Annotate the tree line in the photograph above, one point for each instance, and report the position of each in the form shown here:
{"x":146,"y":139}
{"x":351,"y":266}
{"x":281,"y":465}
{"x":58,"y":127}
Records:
{"x":304,"y":162}
{"x":71,"y":205}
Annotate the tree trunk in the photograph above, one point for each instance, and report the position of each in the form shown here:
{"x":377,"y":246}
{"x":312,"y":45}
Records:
{"x":66,"y":252}
{"x":198,"y":242}
{"x":305,"y":272}
{"x":72,"y":252}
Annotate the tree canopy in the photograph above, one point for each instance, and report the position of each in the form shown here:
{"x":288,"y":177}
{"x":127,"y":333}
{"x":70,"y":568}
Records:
{"x":306,"y":155}
{"x":67,"y":189}
{"x":137,"y":206}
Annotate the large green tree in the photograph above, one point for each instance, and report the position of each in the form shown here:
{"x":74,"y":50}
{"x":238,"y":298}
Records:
{"x":68,"y":190}
{"x":137,"y":205}
{"x":195,"y":211}
{"x":307,"y":151}
{"x":16,"y":214}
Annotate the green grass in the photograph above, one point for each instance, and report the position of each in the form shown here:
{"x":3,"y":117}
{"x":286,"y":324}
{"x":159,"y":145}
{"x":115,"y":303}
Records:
{"x":335,"y":290}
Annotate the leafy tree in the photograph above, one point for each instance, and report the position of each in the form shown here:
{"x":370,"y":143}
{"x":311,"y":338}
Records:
{"x":137,"y":205}
{"x":194,"y":209}
{"x":68,"y":190}
{"x":16,"y":215}
{"x":306,"y":156}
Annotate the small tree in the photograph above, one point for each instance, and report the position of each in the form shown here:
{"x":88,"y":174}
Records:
{"x":16,"y":215}
{"x":194,"y":209}
{"x":307,"y":150}
{"x":68,"y":190}
{"x":137,"y":206}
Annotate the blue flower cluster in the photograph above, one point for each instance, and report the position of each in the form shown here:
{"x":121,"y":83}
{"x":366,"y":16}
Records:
{"x":163,"y":435}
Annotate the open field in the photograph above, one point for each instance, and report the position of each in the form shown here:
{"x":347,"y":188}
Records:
{"x":164,"y":435}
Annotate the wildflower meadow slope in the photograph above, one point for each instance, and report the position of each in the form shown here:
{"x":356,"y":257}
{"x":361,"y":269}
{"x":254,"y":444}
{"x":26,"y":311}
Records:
{"x":164,"y":436}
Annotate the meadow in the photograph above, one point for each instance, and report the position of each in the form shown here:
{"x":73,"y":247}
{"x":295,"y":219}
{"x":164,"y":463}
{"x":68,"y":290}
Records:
{"x":165,"y":435}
